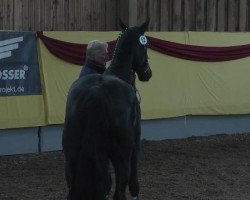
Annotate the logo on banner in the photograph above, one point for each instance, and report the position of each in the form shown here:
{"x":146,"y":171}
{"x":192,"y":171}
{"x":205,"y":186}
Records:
{"x":6,"y":46}
{"x":19,"y":70}
{"x":14,"y":74}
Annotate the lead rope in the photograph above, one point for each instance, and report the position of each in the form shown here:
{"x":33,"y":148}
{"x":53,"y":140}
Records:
{"x":138,"y":95}
{"x":133,"y":84}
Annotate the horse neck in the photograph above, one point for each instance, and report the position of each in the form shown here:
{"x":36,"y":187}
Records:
{"x":121,"y":64}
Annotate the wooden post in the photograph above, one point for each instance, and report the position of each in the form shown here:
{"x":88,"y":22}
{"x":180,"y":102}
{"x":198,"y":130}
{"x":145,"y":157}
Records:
{"x":123,"y":11}
{"x":189,"y":15}
{"x":132,"y":12}
{"x":222,"y":13}
{"x":211,"y":15}
{"x":232,"y":15}
{"x":243,"y":15}
{"x":177,"y":15}
{"x":200,"y":15}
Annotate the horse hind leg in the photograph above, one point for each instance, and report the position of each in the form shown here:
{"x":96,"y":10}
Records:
{"x":69,"y":178}
{"x":90,"y":182}
{"x":70,"y":170}
{"x":121,"y":178}
{"x":108,"y":183}
{"x":121,"y":164}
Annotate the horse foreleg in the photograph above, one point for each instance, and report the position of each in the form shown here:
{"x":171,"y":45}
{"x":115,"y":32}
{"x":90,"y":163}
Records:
{"x":133,"y":180}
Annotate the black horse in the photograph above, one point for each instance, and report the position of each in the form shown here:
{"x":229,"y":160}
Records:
{"x":102,"y":123}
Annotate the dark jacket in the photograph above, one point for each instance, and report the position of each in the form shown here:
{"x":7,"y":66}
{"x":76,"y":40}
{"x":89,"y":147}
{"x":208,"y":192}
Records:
{"x":91,"y":67}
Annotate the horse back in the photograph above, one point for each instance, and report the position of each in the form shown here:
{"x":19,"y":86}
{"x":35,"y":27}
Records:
{"x":99,"y":102}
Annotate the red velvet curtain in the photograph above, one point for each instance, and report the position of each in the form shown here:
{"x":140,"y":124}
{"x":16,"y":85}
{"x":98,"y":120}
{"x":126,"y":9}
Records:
{"x":70,"y":52}
{"x":75,"y":53}
{"x":199,"y":53}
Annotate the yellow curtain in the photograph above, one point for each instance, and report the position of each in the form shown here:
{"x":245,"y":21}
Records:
{"x":178,"y":87}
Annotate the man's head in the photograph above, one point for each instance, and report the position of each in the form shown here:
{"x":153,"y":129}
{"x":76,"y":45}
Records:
{"x":97,"y":51}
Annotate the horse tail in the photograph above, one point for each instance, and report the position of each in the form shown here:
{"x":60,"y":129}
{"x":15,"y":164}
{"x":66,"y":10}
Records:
{"x":92,"y":170}
{"x":94,"y":109}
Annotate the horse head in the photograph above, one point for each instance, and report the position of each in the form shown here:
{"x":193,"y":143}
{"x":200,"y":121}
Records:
{"x":140,"y":63}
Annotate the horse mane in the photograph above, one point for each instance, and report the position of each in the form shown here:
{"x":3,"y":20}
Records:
{"x":124,"y":42}
{"x":123,"y":55}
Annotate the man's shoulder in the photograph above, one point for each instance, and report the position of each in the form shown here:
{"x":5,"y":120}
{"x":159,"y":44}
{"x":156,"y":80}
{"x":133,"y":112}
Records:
{"x":86,"y":71}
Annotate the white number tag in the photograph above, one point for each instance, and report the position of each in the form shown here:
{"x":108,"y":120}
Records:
{"x":143,"y":40}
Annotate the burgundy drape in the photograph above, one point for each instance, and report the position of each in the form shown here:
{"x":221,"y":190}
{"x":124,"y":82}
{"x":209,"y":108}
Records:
{"x":75,"y":53}
{"x":70,"y":52}
{"x":199,"y":53}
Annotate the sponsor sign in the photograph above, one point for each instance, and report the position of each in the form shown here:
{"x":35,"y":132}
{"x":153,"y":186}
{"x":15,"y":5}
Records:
{"x":19,"y":69}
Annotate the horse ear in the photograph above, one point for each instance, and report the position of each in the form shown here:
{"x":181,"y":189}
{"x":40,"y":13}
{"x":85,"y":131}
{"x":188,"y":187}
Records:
{"x":122,"y":25}
{"x":144,"y":26}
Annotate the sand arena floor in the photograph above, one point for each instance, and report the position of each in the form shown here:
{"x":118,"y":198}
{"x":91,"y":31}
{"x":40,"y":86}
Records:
{"x":202,"y":168}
